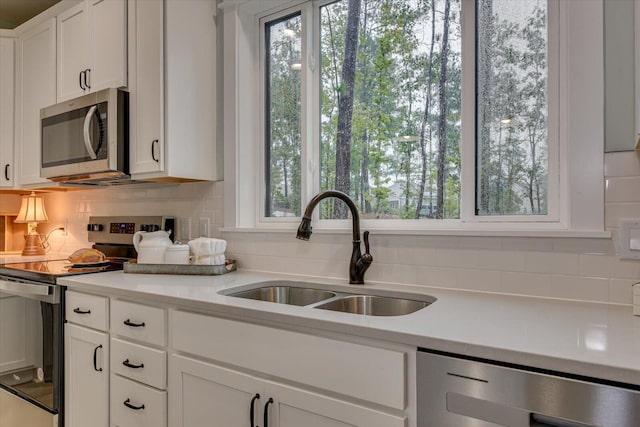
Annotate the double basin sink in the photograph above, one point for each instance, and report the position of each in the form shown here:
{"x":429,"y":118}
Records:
{"x":314,"y":296}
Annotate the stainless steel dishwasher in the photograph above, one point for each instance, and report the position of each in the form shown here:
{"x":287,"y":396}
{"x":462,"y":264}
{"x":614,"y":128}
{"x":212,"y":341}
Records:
{"x":463,"y":392}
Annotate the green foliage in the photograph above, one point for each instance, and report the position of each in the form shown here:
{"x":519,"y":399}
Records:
{"x":396,"y":110}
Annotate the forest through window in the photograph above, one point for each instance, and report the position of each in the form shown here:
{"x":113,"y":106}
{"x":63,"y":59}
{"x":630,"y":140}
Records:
{"x":389,"y":107}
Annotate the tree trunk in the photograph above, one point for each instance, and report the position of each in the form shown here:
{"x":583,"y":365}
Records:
{"x":425,"y":118}
{"x":345,"y":106}
{"x":485,"y":32}
{"x":442,"y":121}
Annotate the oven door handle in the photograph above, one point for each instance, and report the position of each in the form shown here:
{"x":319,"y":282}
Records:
{"x":23,"y":288}
{"x":87,"y":132}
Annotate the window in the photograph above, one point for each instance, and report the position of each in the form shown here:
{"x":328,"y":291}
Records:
{"x":428,"y":113}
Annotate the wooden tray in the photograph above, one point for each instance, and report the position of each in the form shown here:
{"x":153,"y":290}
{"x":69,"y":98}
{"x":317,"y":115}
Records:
{"x":185,"y":269}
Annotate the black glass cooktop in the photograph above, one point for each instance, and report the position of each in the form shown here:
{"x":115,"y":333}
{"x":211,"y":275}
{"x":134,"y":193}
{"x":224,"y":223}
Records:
{"x":48,"y":271}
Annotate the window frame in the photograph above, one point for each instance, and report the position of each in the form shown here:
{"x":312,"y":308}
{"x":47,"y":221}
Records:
{"x":571,"y":193}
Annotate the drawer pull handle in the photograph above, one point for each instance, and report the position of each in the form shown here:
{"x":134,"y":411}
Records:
{"x":128,"y":322}
{"x":266,"y":412}
{"x":132,"y":366}
{"x":78,"y":310}
{"x":130,"y":406}
{"x":252,"y":411}
{"x":95,"y":359}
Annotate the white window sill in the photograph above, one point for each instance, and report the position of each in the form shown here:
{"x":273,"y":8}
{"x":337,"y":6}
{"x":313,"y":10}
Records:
{"x":574,"y":234}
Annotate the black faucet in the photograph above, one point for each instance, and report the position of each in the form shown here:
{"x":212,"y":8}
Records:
{"x":359,"y":262}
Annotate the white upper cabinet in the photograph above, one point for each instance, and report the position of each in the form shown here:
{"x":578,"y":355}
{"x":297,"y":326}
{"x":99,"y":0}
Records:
{"x":6,"y":111}
{"x":35,"y":89}
{"x":92,"y":47}
{"x":172,"y":82}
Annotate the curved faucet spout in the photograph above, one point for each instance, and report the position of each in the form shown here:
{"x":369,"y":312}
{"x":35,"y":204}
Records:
{"x":359,"y":262}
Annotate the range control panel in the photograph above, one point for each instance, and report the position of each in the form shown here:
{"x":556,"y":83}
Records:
{"x":120,"y":229}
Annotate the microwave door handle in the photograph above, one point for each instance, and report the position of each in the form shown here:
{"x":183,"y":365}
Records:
{"x":87,"y":135}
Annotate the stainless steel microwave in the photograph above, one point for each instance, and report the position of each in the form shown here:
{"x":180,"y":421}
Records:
{"x":86,"y":139}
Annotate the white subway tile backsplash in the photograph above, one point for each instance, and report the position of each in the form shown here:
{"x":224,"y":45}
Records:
{"x":414,"y":255}
{"x":579,"y":288}
{"x":527,"y":244}
{"x":608,"y":266}
{"x":486,"y":260}
{"x":625,"y":163}
{"x":437,"y":276}
{"x":525,"y":283}
{"x":392,"y":273}
{"x":622,"y":189}
{"x":552,"y":263}
{"x":614,"y":211}
{"x":620,"y":290}
{"x":478,"y":280}
{"x":579,"y":246}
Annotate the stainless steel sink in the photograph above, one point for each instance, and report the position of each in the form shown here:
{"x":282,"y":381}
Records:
{"x":373,"y":305}
{"x":335,"y":298}
{"x":286,"y":295}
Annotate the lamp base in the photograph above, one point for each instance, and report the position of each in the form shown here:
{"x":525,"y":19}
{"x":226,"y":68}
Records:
{"x":32,"y":245}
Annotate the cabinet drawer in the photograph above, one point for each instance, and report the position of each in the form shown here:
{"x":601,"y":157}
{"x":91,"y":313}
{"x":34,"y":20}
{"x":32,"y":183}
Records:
{"x":136,"y":405}
{"x":139,"y":363}
{"x":369,"y":373}
{"x":91,"y":311}
{"x":139,"y":322}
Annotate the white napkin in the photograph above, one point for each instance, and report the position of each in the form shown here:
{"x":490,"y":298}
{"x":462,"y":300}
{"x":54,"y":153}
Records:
{"x":208,"y":251}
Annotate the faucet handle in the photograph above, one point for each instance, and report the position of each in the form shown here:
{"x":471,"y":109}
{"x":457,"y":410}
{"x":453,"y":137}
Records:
{"x":366,"y":258}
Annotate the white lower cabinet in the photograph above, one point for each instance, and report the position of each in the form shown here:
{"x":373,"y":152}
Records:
{"x":87,"y":377}
{"x":153,"y":367}
{"x":201,"y":392}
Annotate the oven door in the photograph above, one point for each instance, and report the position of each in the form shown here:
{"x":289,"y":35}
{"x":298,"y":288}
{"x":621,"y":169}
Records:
{"x":31,"y":351}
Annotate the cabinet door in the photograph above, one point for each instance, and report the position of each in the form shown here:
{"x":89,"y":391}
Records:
{"x":293,"y":407}
{"x":36,"y":88}
{"x":146,"y":77}
{"x":74,"y":44}
{"x":6,"y":112}
{"x":86,"y":377}
{"x":108,"y":21}
{"x":202,"y":394}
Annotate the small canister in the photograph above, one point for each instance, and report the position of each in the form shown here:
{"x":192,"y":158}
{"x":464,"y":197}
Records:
{"x":177,"y":254}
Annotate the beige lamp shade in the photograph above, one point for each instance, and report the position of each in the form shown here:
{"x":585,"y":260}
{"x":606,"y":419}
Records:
{"x":32,"y":210}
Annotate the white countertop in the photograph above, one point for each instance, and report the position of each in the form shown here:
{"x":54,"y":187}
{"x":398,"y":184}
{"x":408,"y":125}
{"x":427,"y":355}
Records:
{"x":590,"y":339}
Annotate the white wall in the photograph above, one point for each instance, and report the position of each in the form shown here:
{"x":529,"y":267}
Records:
{"x":582,"y":269}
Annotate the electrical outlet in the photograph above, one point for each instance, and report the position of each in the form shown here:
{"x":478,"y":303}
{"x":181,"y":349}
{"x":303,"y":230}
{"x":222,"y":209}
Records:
{"x":204,"y":227}
{"x":185,"y":228}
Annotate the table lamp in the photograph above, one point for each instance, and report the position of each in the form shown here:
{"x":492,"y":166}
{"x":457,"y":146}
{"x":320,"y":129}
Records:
{"x":32,"y":212}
